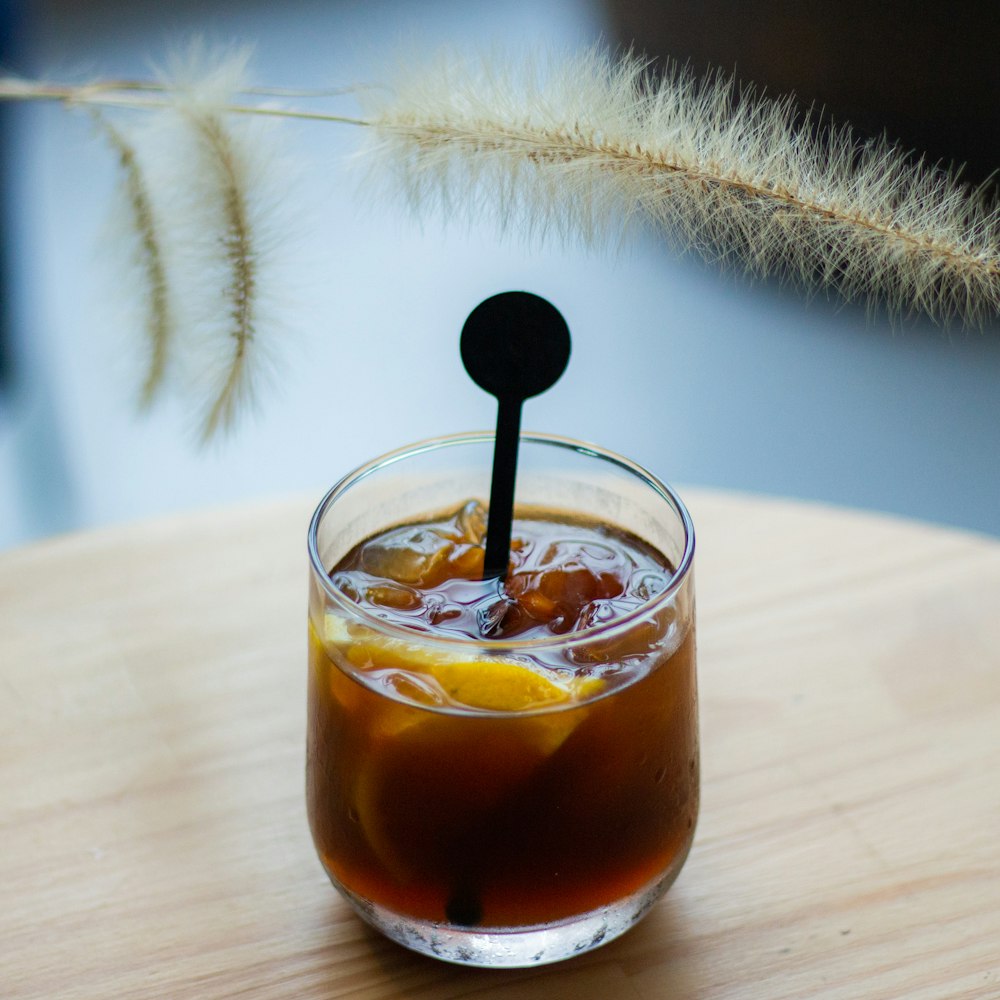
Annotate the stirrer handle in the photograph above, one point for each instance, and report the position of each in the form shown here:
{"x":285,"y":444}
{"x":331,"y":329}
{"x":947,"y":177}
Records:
{"x":501,"y":516}
{"x":514,"y":345}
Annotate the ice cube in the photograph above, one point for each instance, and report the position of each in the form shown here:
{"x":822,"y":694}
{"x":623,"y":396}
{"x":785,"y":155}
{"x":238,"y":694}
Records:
{"x":647,"y":584}
{"x":596,"y":613}
{"x":408,"y":686}
{"x":414,"y":555}
{"x":470,"y":522}
{"x":394,"y":595}
{"x":437,"y":610}
{"x":344,"y":583}
{"x":579,"y":552}
{"x":466,"y":562}
{"x":575,"y":572}
{"x":492,"y":615}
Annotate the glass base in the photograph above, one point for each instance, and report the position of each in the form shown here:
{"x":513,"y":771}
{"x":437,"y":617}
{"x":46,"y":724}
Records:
{"x":511,"y":948}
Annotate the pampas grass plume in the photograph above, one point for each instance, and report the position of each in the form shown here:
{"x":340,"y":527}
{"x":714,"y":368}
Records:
{"x":220,"y":190}
{"x":586,"y":146}
{"x":204,"y":194}
{"x":136,"y":238}
{"x":582,"y":147}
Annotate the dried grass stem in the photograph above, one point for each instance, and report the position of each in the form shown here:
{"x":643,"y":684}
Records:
{"x":150,"y":258}
{"x":240,"y":255}
{"x":588,"y":145}
{"x":584,"y":146}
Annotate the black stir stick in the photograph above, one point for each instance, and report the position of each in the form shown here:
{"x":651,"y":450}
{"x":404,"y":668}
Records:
{"x":514,"y":345}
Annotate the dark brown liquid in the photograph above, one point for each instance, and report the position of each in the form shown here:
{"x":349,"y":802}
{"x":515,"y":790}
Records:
{"x":426,"y":804}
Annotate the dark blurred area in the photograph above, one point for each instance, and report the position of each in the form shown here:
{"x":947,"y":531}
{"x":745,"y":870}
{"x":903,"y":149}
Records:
{"x":8,"y":34}
{"x":924,"y":74}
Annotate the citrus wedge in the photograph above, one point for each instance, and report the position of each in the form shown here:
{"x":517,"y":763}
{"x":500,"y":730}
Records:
{"x":422,"y":771}
{"x":492,"y":683}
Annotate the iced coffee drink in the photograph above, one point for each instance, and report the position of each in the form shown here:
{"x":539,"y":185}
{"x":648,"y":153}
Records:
{"x":502,"y":771}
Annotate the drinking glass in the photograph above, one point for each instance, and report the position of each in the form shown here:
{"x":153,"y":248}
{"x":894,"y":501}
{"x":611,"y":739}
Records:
{"x":490,"y":836}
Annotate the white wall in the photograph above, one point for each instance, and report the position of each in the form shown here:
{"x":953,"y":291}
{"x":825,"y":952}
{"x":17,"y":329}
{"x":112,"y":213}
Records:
{"x":701,"y":376}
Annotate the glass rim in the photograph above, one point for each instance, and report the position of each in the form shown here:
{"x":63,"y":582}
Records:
{"x":499,"y":646}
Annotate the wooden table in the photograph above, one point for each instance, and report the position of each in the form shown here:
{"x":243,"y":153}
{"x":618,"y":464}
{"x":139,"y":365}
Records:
{"x":154,"y":841}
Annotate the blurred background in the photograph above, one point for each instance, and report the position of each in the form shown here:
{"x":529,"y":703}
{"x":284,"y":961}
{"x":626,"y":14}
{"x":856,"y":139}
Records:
{"x":703,"y":376}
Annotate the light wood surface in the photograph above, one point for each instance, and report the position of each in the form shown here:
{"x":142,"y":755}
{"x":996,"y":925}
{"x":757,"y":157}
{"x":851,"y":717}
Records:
{"x":154,"y":840}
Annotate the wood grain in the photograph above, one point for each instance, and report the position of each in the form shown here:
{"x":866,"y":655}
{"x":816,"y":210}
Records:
{"x":151,"y":758}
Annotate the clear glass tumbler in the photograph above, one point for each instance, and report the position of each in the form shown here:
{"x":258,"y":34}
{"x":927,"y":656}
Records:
{"x":488,"y":836}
